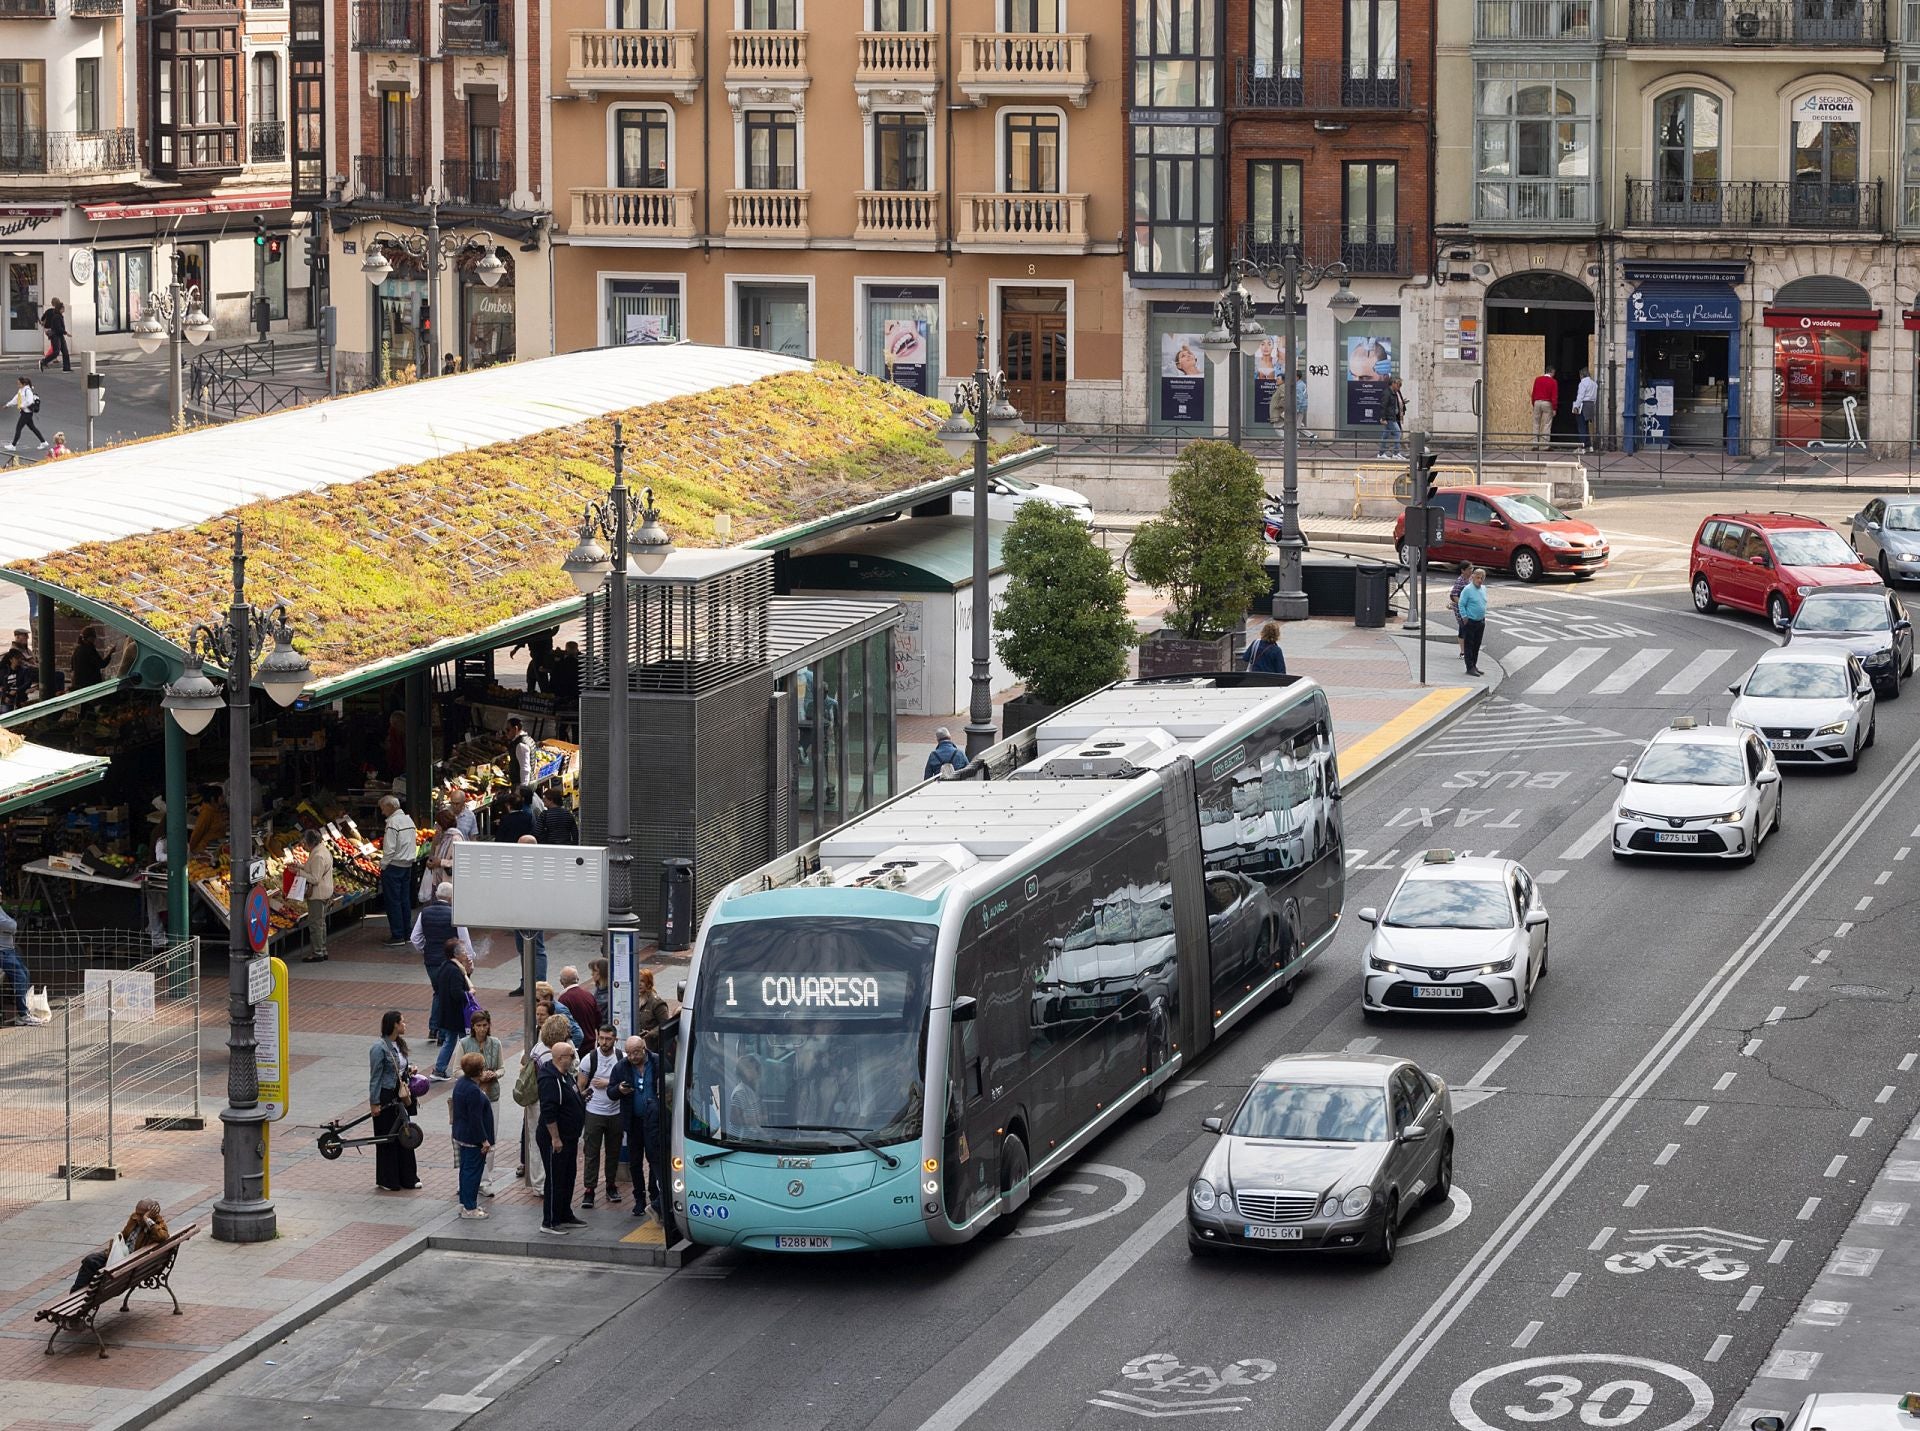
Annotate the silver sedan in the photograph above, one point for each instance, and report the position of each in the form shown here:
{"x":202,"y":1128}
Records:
{"x":1886,"y":534}
{"x":1327,"y":1152}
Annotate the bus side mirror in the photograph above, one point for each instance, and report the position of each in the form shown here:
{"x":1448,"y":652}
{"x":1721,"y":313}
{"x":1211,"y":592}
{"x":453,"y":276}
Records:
{"x":965,"y":1009}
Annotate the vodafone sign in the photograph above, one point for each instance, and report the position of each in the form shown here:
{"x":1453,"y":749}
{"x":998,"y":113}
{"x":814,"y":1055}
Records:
{"x":1812,"y":321}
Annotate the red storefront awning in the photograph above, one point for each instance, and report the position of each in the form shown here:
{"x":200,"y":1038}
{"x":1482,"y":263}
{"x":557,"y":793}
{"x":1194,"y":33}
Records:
{"x":32,"y":211}
{"x":190,"y":208}
{"x":1910,"y":319}
{"x":1860,"y":320}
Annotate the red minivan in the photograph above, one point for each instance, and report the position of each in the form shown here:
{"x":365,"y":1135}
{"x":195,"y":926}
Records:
{"x":1766,"y":561}
{"x":1508,"y":529}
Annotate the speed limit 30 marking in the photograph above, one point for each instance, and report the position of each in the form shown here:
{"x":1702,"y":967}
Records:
{"x":1605,"y":1391}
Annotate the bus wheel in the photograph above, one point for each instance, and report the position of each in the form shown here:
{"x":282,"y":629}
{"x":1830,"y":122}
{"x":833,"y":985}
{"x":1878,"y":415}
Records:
{"x":1013,"y":1179}
{"x":1158,"y":1052}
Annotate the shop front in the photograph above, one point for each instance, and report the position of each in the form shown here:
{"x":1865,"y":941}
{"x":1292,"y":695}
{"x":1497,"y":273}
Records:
{"x":1821,"y":364}
{"x":487,"y":315}
{"x":1683,"y":357}
{"x":1367,"y":349}
{"x":1188,"y":381}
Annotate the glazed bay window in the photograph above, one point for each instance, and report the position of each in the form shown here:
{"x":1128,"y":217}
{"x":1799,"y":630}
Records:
{"x":1174,"y":55}
{"x":1033,"y":17}
{"x":1176,"y":187}
{"x":640,"y":14}
{"x":899,"y":153}
{"x":772,"y":14}
{"x":900,"y":16}
{"x":773,"y":149}
{"x":1533,"y":143}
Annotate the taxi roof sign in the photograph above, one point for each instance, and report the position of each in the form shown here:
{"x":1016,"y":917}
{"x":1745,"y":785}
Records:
{"x":1684,"y":723}
{"x":1438,"y":857}
{"x":1910,"y":1403}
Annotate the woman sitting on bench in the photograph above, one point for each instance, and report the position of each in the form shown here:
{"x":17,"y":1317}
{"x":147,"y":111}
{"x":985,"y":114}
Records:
{"x":146,"y":1228}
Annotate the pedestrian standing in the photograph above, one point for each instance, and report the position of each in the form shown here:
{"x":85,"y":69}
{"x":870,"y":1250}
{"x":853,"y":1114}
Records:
{"x":54,"y":323}
{"x":525,"y":938}
{"x":563,"y":1116}
{"x":319,"y":877}
{"x":452,"y":996}
{"x":28,"y":402}
{"x":1453,"y":605}
{"x":650,"y":1013}
{"x":604,"y":1116}
{"x":1263,"y":653}
{"x":464,"y":820}
{"x":90,"y":663}
{"x":556,"y":824}
{"x":1586,"y":398}
{"x":472,"y":1115}
{"x":551,"y":1031}
{"x":1473,"y":619}
{"x":439,"y":861}
{"x":482,"y":1043}
{"x":1393,"y":412}
{"x":399,"y":847}
{"x":1546,"y":402}
{"x":433,"y":930}
{"x":579,"y":1001}
{"x":602,"y":990}
{"x":1300,"y":403}
{"x":945,"y":755}
{"x":390,"y":1100}
{"x":637,"y":1086}
{"x":513,"y":819}
{"x":518,"y":758}
{"x":15,"y":972}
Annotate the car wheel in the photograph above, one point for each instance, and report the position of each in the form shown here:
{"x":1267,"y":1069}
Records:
{"x":1409,"y":556}
{"x":1777,"y":608}
{"x":1546,"y":950}
{"x":1519,"y":1015}
{"x":1779,"y":813}
{"x":1890,"y":689}
{"x":1886,"y":573}
{"x":1907,"y":670}
{"x":1703,"y":601}
{"x":1526,"y":566}
{"x":1873,"y":733}
{"x":1389,"y":1242}
{"x":1442,"y":1174}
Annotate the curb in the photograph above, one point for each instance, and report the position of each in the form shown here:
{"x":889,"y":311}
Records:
{"x":562,"y":1250}
{"x":1427,"y":728}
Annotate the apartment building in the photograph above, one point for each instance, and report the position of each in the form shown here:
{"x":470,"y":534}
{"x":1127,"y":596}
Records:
{"x":437,"y":205}
{"x":1263,"y":128}
{"x":1705,"y":202}
{"x":857,"y":180}
{"x":137,"y":138}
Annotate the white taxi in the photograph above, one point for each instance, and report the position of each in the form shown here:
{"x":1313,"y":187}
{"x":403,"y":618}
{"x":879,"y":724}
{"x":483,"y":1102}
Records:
{"x":1850,"y":1411}
{"x":1702,"y":790}
{"x":1460,"y":936}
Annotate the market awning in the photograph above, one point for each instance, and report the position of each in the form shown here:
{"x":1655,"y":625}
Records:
{"x":31,"y":773}
{"x":262,"y":202}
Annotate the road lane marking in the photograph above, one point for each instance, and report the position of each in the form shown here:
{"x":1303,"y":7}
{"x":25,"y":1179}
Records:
{"x":1751,"y":1046}
{"x":1606,"y":1236}
{"x":1562,"y":675}
{"x":1519,"y":656}
{"x":1549,"y":876}
{"x":1753,"y":1296}
{"x":1566,"y":1284}
{"x":1786,"y":1365}
{"x":1362,"y":1045}
{"x":1527,"y":1334}
{"x":1631,"y":670}
{"x":1633,"y":1198}
{"x":1884,"y":876}
{"x":1726,"y":1081}
{"x":1376,"y":743}
{"x":1492,"y":1065}
{"x":1843,"y":929}
{"x":1665,"y":1155}
{"x":1694,"y":672}
{"x":1884,"y":1094}
{"x":1821,"y":957}
{"x":1779,"y":1253}
{"x":1861,"y":1127}
{"x":1807,"y":1209}
{"x":1833,"y":1168}
{"x":1907,"y":1062}
{"x":1777,"y":1013}
{"x":1699,"y":1112}
{"x":1720,"y":1344}
{"x":1823,"y":1314}
{"x":1799,"y":983}
{"x":1459,"y":1209}
{"x":1600,"y":829}
{"x":1901,"y":853}
{"x":1865,"y":900}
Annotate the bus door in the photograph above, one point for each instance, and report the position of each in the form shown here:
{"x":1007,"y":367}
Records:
{"x":964,"y":1169}
{"x":1187,"y":873}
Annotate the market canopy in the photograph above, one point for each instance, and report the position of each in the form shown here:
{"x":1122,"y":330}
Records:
{"x":412,"y":519}
{"x":30,"y":773}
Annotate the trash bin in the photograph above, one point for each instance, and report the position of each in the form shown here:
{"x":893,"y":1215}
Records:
{"x":1371,"y":584}
{"x":676,"y":906}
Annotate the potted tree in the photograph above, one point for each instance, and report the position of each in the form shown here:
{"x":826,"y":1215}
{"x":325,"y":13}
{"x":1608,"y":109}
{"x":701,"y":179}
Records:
{"x":1063,"y":627}
{"x":1204,"y":553}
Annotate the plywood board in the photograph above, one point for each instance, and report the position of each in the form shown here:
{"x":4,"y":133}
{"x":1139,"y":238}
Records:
{"x":1514,"y":360}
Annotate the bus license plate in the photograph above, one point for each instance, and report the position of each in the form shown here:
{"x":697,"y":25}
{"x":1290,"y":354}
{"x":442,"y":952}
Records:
{"x":1786,"y":745}
{"x":1273,"y":1234}
{"x":803,"y":1244}
{"x":1662,"y":837}
{"x":1443,"y":992}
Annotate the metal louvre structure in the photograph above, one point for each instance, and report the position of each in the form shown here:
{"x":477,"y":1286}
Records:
{"x":697,"y":627}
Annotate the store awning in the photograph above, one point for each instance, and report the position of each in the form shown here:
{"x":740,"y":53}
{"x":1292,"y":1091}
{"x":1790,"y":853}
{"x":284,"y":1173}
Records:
{"x":263,"y":202}
{"x":31,"y":773}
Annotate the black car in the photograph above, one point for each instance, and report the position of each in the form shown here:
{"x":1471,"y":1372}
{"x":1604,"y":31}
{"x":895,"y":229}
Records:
{"x":1871,"y":624}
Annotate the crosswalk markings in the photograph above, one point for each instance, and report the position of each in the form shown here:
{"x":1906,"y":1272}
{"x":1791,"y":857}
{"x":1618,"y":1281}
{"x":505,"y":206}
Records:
{"x":1639,"y":664}
{"x":1519,"y":656}
{"x":1562,"y":675}
{"x":1502,"y":724}
{"x":1694,"y":672}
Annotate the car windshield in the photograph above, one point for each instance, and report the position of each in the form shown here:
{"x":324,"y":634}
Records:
{"x":1903,"y":518}
{"x":1313,"y":1112}
{"x":1842,"y":613}
{"x":1451,"y":904}
{"x":1016,"y":484}
{"x":1811,"y":548}
{"x":1797,"y":680}
{"x":1526,"y":507}
{"x":1691,"y":763}
{"x":806,"y":1031}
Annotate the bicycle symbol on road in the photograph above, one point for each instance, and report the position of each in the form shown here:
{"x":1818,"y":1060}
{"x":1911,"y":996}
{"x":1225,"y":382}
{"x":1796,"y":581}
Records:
{"x":1710,"y":1252}
{"x":1173,"y":1388}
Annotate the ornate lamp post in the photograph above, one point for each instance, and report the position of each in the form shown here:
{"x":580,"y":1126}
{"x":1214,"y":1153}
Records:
{"x":981,"y":415}
{"x":174,"y":316}
{"x":1235,"y":331}
{"x":243,"y":1214}
{"x":430,"y":250}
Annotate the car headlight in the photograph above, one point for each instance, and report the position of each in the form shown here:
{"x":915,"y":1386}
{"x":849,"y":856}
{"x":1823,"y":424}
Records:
{"x":1908,"y":556}
{"x":1499,"y":966}
{"x":1626,"y":814}
{"x":1385,"y":966}
{"x":1835,"y":728}
{"x":1804,"y":590}
{"x":1332,"y":1207}
{"x":1203,"y":1197}
{"x":1732,"y":817}
{"x":1356,"y":1202}
{"x":1880,"y":658}
{"x":1555,"y":540}
{"x":1226,"y":1202}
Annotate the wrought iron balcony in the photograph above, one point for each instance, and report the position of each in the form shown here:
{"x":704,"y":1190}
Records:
{"x":93,"y":9}
{"x":268,"y":141}
{"x":1324,"y":85}
{"x":1535,"y":21}
{"x":1790,"y":24}
{"x":26,"y":9}
{"x":1368,"y":250}
{"x":67,"y":152}
{"x":476,"y":28}
{"x":1711,"y":204}
{"x":479,"y":182}
{"x":396,"y":26}
{"x":396,"y":178}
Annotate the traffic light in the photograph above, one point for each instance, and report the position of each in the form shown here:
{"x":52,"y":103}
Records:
{"x":96,"y":394}
{"x":426,"y":319}
{"x":259,"y":233}
{"x":1428,"y":480}
{"x":276,"y":246}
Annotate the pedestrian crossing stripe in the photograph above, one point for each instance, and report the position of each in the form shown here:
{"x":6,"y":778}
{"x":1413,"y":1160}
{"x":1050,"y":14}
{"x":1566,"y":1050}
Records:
{"x":1615,"y":671}
{"x":1505,"y":724}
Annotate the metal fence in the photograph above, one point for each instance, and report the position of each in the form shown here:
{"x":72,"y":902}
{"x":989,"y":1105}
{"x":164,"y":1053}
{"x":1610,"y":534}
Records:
{"x":120,"y":1061}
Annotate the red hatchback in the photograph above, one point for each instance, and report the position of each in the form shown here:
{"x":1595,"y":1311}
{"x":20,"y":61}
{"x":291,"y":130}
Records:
{"x":1508,"y":529}
{"x":1767,"y":561}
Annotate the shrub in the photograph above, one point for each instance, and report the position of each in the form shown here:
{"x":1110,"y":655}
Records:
{"x":1063,"y":626}
{"x":1206,"y":551}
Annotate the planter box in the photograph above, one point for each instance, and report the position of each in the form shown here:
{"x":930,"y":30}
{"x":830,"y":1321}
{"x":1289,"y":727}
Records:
{"x":1165,"y":654}
{"x":1023,"y":711}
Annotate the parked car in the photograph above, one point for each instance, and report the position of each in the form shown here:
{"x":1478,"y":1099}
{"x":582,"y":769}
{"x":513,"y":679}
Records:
{"x":1508,"y":529}
{"x":1886,"y":532}
{"x":1768,"y":561}
{"x":1873,"y":625}
{"x":1007,"y":494}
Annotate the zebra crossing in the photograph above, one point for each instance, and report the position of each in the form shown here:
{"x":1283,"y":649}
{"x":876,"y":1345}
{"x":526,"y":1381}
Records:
{"x":1617,"y":670}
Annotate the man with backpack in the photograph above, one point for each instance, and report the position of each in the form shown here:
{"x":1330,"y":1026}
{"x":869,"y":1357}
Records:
{"x":945,"y":755}
{"x":638,"y":1086}
{"x":28,"y":402}
{"x":605,"y":1115}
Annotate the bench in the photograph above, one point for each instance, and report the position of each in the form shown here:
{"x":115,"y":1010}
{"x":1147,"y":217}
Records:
{"x":150,"y":1267}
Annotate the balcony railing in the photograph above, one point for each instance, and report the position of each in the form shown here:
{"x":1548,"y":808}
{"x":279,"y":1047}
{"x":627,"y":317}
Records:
{"x":393,"y":25}
{"x":66,"y":152}
{"x":1711,"y":204}
{"x":633,"y":62}
{"x":1375,"y":250}
{"x":93,"y":9}
{"x":1025,"y":221}
{"x":478,"y":28}
{"x":1813,"y":24}
{"x":896,"y":217}
{"x":479,"y":182}
{"x":769,"y":214}
{"x":1551,"y":202}
{"x":1031,"y":65}
{"x":26,"y":9}
{"x":396,"y":178}
{"x":769,"y":56}
{"x":1534,"y":20}
{"x":1325,"y":85}
{"x":268,"y":141}
{"x":897,"y":57}
{"x":665,"y":214}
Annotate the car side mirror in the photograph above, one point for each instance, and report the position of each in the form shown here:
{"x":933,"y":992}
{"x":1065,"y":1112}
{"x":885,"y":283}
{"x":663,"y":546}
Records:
{"x":966,"y":1009}
{"x":1620,"y":772}
{"x":1767,"y":777}
{"x":1496,"y":522}
{"x":1760,"y":561}
{"x":1782,"y":623}
{"x":1734,"y":689}
{"x":1536,"y":918}
{"x":1865,"y":688}
{"x":1413,"y":1133}
{"x":1369,"y":915}
{"x":1213,"y":1125}
{"x":1872,"y":527}
{"x":1903,"y":624}
{"x":680,"y":992}
{"x":1769,"y":1423}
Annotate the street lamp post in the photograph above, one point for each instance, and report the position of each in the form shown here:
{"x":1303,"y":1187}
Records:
{"x":430,"y":249}
{"x":174,"y":317}
{"x":981,"y":415}
{"x":243,"y":1213}
{"x":1235,"y":331}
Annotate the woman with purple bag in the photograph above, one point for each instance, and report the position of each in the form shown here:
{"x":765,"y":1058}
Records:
{"x":392,"y":1085}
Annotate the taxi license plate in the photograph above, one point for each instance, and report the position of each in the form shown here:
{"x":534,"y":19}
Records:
{"x":1786,"y":745}
{"x":1688,"y":838}
{"x":1273,"y":1234}
{"x":1442,"y":992}
{"x":803,"y":1244}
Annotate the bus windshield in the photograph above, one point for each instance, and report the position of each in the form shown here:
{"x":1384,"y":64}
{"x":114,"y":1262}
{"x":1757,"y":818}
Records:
{"x":809,"y":1031}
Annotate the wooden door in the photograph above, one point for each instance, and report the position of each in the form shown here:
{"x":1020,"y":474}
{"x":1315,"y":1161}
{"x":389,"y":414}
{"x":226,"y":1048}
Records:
{"x":1033,"y":353}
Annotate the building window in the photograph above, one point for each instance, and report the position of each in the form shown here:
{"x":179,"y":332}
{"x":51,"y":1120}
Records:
{"x":196,"y":96}
{"x":1175,"y":198}
{"x":772,"y":15}
{"x":86,"y":96}
{"x":1826,"y":161}
{"x":900,"y":15}
{"x":1369,"y":217}
{"x":263,"y":98}
{"x":643,"y":310}
{"x":899,"y":153}
{"x":1033,"y":154}
{"x":309,"y":130}
{"x":1910,"y":154}
{"x":1273,"y":208}
{"x":483,"y":143}
{"x":642,"y":149}
{"x":1686,"y":160}
{"x":1533,"y":142}
{"x":1173,"y":49}
{"x":122,"y":278}
{"x":641,"y":15}
{"x":22,"y":122}
{"x":1033,"y":17}
{"x":1276,"y":41}
{"x":903,"y":336}
{"x":1373,"y":48}
{"x":773,"y":149}
{"x":772,"y":317}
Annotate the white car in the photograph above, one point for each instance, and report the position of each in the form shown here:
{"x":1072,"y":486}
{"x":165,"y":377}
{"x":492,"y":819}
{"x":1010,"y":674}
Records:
{"x":1809,"y":705}
{"x":1007,"y":494}
{"x":1850,"y":1411}
{"x":1460,"y":935}
{"x":1710,"y":790}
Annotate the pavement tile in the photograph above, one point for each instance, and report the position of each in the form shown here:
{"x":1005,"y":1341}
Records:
{"x":341,"y":1251}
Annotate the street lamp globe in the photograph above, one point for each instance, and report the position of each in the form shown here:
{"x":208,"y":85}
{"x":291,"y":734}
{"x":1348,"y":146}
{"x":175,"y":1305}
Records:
{"x":192,"y":699}
{"x":199,"y":326}
{"x":490,"y":269}
{"x":1003,"y":419}
{"x":1219,"y":340}
{"x":149,"y":334}
{"x":587,"y":564}
{"x":375,"y":265}
{"x":1252,"y":335}
{"x":283,"y":675}
{"x":650,"y":547}
{"x":956,"y":433}
{"x":1344,"y":300}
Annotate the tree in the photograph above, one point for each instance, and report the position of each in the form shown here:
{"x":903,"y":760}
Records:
{"x":1206,"y":551}
{"x":1063,"y":624}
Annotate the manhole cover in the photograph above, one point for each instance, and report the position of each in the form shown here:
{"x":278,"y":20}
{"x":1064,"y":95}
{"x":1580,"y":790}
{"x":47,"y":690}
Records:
{"x":1860,"y":991}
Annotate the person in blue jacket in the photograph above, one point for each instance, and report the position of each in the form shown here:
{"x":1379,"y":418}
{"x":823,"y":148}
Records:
{"x":472,"y":1114}
{"x":944,"y":755}
{"x":636,"y":1084}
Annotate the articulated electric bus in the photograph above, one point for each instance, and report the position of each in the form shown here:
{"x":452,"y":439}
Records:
{"x":894,"y":1032}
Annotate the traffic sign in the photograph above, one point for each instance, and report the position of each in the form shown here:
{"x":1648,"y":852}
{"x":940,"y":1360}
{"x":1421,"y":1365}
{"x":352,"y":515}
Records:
{"x":259,"y":921}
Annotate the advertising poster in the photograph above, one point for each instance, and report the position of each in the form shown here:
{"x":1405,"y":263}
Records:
{"x":1183,"y":378}
{"x":1369,"y":365}
{"x":906,"y":353}
{"x":1269,"y":380}
{"x":646,"y":328}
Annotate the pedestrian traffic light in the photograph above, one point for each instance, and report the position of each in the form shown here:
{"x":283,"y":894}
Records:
{"x":426,"y":318}
{"x":275,"y":246}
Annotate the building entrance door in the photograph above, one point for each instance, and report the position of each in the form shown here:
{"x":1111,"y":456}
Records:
{"x":1033,"y":352}
{"x":25,"y":302}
